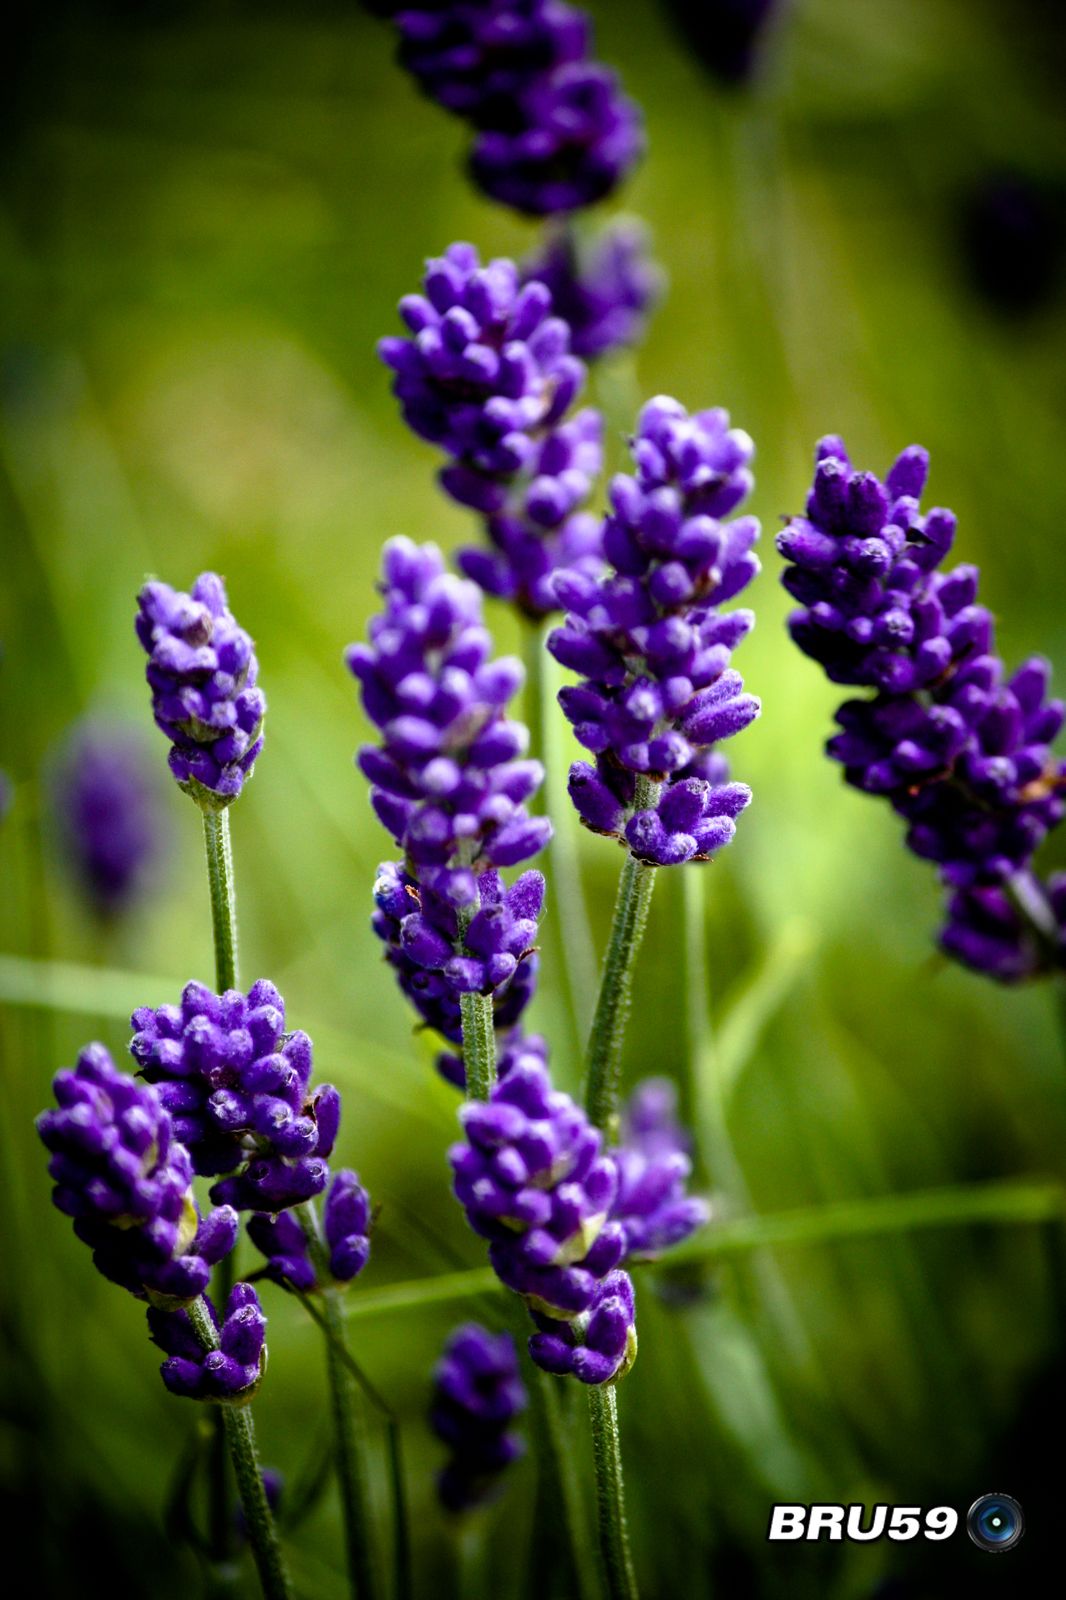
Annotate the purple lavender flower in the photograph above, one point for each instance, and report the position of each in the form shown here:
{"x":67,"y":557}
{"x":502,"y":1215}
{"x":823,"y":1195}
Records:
{"x":534,"y":1180}
{"x":238,"y":1087}
{"x":124,"y":1178}
{"x":604,"y":290}
{"x":202,"y":671}
{"x":652,"y":646}
{"x":107,"y":805}
{"x":229,"y":1374}
{"x":489,"y":378}
{"x":986,"y":930}
{"x":654,"y":1165}
{"x":597,"y":1347}
{"x":477,"y":1397}
{"x":346,"y":1236}
{"x":960,"y":751}
{"x":725,"y":34}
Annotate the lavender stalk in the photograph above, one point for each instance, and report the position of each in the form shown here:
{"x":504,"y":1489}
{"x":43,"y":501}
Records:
{"x":610,"y":1493}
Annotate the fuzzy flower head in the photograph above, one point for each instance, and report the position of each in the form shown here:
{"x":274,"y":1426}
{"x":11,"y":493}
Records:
{"x":202,"y":671}
{"x":597,"y":1347}
{"x":238,"y":1088}
{"x":107,"y":806}
{"x":346,"y":1220}
{"x":603,"y":290}
{"x":478,"y":1396}
{"x":124,"y":1178}
{"x":535,"y":1181}
{"x":229,"y":1374}
{"x":652,"y":646}
{"x":654,"y":1162}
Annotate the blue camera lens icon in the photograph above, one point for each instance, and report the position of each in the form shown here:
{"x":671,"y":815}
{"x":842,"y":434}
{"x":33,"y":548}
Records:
{"x":995,"y":1523}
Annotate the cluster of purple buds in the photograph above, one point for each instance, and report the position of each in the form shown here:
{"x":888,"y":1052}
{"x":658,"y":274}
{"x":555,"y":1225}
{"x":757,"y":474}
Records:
{"x":488,"y":376}
{"x":477,"y":1397}
{"x":654,"y":649}
{"x":346,"y":1220}
{"x":961,"y":751}
{"x":604,"y":289}
{"x":553,"y":130}
{"x":597,"y":1347}
{"x":238,"y":1088}
{"x":420,"y":931}
{"x":229,"y":1374}
{"x":986,"y":929}
{"x":107,"y":807}
{"x":654,"y":1165}
{"x":123,"y":1176}
{"x":202,"y":671}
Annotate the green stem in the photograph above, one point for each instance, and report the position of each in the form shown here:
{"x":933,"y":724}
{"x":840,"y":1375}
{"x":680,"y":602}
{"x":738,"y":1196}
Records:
{"x":349,"y":1422}
{"x":479,"y":1044}
{"x":697,"y":1007}
{"x":610,"y":1493}
{"x":240,"y":1438}
{"x":559,"y":1476}
{"x":603,"y":1058}
{"x":223,"y":898}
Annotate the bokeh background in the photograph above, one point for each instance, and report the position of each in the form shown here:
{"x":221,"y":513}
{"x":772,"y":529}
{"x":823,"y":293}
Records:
{"x":207,"y":214}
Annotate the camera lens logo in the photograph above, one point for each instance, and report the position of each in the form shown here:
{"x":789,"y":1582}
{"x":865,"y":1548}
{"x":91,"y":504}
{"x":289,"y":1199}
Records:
{"x":995,"y":1522}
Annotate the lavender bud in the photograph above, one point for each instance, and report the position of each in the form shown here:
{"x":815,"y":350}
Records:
{"x":106,"y":803}
{"x":477,"y":1397}
{"x":228,"y":1375}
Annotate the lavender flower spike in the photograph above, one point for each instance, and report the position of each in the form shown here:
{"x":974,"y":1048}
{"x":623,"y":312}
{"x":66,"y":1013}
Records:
{"x":487,"y":375}
{"x":106,"y":803}
{"x":653,"y":647}
{"x":202,"y":671}
{"x":477,"y":1397}
{"x":238,"y":1087}
{"x":345,"y":1224}
{"x":228,"y":1375}
{"x":597,"y":1347}
{"x":603,"y":290}
{"x":123,"y":1177}
{"x":534,"y":1180}
{"x":654,"y":1164}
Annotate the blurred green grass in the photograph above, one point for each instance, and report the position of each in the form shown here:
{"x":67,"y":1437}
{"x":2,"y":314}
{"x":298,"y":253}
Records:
{"x":206,"y":218}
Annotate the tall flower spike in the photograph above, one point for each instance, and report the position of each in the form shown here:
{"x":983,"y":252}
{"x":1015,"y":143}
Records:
{"x":126,"y":1181}
{"x":653,"y":647}
{"x":238,"y":1087}
{"x":534,"y":1180}
{"x":654,"y":1165}
{"x":603,"y":289}
{"x":489,"y":378}
{"x":229,"y":1374}
{"x":107,"y":806}
{"x":346,"y":1230}
{"x":478,"y":1396}
{"x":202,"y":671}
{"x":961,"y":751}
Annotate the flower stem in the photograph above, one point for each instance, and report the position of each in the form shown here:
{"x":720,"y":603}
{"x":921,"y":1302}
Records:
{"x":610,"y":1493}
{"x":479,"y":1044}
{"x":223,"y":897}
{"x":349,"y":1423}
{"x":559,"y":1476}
{"x":240,"y":1438}
{"x":603,"y":1057}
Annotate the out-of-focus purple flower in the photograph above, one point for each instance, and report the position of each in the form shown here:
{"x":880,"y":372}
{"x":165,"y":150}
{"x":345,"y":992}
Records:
{"x":488,"y":376}
{"x":654,"y":1165}
{"x":202,"y":671}
{"x":477,"y":1397}
{"x":229,"y":1374}
{"x":124,"y":1178}
{"x":1013,"y":237}
{"x":238,"y":1088}
{"x":652,"y":646}
{"x":961,"y":751}
{"x":534,"y":1180}
{"x":986,"y":930}
{"x":726,"y":35}
{"x":107,"y":805}
{"x":604,"y":289}
{"x":511,"y":1050}
{"x":345,"y":1235}
{"x":597,"y":1347}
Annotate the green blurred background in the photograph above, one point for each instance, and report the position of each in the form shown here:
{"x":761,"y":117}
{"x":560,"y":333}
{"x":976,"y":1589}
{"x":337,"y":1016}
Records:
{"x":207,"y":214}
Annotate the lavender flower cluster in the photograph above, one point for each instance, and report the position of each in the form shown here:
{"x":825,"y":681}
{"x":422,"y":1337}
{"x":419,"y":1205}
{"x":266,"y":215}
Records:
{"x":230,"y":1373}
{"x":106,"y":805}
{"x":960,"y":749}
{"x":654,"y":649}
{"x":553,"y":131}
{"x":603,"y":289}
{"x":478,"y":1396}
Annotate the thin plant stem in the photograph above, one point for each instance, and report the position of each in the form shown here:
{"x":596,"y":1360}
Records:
{"x":697,"y":1006}
{"x":240,"y":1437}
{"x":610,"y":1493}
{"x":349,"y":1422}
{"x":560,"y":1477}
{"x":603,"y":1058}
{"x":561,"y":863}
{"x":479,"y":1044}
